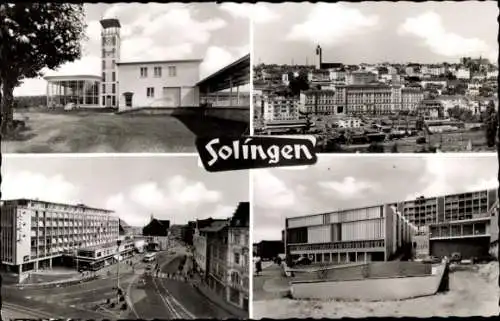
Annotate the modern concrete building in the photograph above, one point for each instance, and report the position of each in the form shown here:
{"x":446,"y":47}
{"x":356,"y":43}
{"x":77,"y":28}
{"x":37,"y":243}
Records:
{"x":357,"y":235}
{"x":126,"y":85}
{"x":456,"y":223}
{"x":322,"y":102}
{"x":35,"y":233}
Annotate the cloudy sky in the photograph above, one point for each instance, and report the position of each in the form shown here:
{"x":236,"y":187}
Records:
{"x":174,"y":188}
{"x":426,"y":32}
{"x":217,"y":33}
{"x":343,"y":182}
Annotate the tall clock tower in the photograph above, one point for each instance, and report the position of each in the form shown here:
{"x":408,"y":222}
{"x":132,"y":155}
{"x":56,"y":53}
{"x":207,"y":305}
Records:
{"x":110,"y":55}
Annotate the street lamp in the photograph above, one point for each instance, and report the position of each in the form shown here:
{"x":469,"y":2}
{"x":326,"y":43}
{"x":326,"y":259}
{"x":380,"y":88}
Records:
{"x":118,"y":243}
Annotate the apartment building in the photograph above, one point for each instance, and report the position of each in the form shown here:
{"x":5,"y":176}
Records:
{"x":456,"y":223}
{"x":227,"y":257}
{"x":370,"y":98}
{"x":34,"y":232}
{"x":356,"y":235}
{"x":360,"y":78}
{"x":156,"y":234}
{"x":411,"y":98}
{"x":279,"y":108}
{"x":321,"y":102}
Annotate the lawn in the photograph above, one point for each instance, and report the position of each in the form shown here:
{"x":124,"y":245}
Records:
{"x":90,"y":132}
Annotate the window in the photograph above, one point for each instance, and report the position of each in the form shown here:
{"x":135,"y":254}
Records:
{"x":113,"y":76}
{"x":144,"y":72}
{"x":150,"y":92}
{"x":113,"y":90}
{"x":113,"y":102}
{"x":237,"y":258}
{"x":104,"y":64}
{"x":103,"y":88}
{"x":103,"y":100}
{"x":172,"y":71}
{"x":104,"y":77}
{"x":113,"y":63}
{"x":157,"y":72}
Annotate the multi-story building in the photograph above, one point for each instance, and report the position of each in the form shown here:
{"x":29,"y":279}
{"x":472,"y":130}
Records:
{"x":278,"y":108}
{"x":227,"y":257}
{"x":239,"y":257}
{"x":321,"y":102}
{"x":411,"y":98}
{"x":439,"y":226}
{"x":371,"y":99}
{"x":430,"y":109}
{"x":269,"y":249}
{"x":34,"y":233}
{"x":357,"y":235}
{"x":462,"y":73}
{"x":361,"y":78}
{"x":456,"y":223}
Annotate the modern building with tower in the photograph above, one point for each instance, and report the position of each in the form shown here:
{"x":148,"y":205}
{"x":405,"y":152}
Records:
{"x":35,"y":234}
{"x":141,"y":84}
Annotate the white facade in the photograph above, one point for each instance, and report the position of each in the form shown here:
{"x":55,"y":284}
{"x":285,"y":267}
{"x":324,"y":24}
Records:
{"x":159,"y":84}
{"x":280,"y":108}
{"x":462,"y":73}
{"x":350,"y":122}
{"x":200,"y":250}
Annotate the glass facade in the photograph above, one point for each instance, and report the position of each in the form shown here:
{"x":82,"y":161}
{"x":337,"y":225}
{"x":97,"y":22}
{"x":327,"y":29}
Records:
{"x":82,"y":93}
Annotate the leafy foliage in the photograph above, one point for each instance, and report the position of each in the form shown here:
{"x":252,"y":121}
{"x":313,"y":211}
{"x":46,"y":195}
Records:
{"x":491,"y":121}
{"x":35,"y":36}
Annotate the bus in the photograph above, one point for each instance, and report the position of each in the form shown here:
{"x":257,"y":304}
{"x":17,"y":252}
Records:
{"x":149,"y":257}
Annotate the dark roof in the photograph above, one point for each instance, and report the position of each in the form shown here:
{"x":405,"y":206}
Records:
{"x":241,"y":216}
{"x":110,"y":23}
{"x":215,"y":226}
{"x":159,"y":62}
{"x":164,"y":222}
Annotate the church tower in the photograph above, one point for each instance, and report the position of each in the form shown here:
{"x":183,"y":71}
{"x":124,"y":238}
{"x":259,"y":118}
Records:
{"x":110,"y":55}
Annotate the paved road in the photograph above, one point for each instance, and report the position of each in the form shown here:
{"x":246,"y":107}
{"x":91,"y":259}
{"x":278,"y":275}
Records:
{"x":81,"y":301}
{"x":166,"y":296}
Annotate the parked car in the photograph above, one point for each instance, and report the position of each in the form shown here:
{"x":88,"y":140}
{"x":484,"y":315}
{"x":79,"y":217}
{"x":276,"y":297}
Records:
{"x":302,"y":261}
{"x":456,"y":258}
{"x":432,"y":259}
{"x":483,"y":259}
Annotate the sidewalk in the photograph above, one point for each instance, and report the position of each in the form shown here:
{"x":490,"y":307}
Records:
{"x":216,"y":299}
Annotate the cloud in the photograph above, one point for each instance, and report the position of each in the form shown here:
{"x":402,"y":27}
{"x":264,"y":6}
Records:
{"x":483,"y":184}
{"x":349,"y":187}
{"x":26,"y":184}
{"x":429,"y":28}
{"x":258,"y":12}
{"x":329,"y":24}
{"x":176,"y":199}
{"x":218,"y":57}
{"x":271,"y":192}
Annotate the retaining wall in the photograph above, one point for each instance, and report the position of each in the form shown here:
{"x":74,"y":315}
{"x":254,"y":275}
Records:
{"x":373,"y":289}
{"x":239,"y":114}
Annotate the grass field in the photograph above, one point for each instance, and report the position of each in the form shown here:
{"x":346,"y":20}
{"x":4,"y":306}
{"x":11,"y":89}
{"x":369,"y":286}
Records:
{"x":89,"y":132}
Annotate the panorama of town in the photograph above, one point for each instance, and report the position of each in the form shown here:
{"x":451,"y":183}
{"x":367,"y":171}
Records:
{"x":383,"y":107}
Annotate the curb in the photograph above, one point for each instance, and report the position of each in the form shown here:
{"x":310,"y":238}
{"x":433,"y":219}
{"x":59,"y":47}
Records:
{"x":237,"y":316}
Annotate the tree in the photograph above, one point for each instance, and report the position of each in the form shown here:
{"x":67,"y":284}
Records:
{"x":491,"y":122}
{"x":35,"y":36}
{"x":298,"y":84}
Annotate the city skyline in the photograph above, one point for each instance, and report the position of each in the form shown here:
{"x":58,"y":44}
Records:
{"x":174,"y":188}
{"x":371,"y":32}
{"x":217,"y":34}
{"x":337,"y":183}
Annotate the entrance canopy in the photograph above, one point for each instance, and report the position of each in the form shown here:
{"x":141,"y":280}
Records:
{"x":233,"y":75}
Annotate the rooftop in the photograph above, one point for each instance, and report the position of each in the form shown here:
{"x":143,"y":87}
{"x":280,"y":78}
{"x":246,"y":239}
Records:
{"x":215,"y":226}
{"x":73,"y":77}
{"x":160,"y":62}
{"x":110,"y":23}
{"x":24,"y":201}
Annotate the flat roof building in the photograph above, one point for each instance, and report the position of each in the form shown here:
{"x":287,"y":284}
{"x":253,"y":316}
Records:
{"x":35,"y":232}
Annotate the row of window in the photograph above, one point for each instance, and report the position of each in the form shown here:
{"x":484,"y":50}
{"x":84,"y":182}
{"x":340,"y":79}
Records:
{"x":113,"y":87}
{"x":157,"y":72}
{"x":113,"y":76}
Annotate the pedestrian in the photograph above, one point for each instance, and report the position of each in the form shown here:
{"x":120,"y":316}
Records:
{"x":258,"y":267}
{"x":278,"y":261}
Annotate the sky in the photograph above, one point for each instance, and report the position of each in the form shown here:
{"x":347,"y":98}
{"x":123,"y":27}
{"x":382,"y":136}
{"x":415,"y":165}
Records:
{"x":377,"y":31}
{"x":338,"y":182}
{"x":175,"y":188}
{"x":219,"y":34}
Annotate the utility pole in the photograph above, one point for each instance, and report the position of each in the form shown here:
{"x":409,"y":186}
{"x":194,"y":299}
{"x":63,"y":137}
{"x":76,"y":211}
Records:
{"x":118,"y":243}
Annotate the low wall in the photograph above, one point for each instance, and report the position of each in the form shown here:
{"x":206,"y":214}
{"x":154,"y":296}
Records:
{"x":364,"y":270}
{"x":239,"y":114}
{"x":375,"y":289}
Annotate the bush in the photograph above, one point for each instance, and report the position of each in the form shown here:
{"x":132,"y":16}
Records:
{"x":124,"y":306}
{"x":112,"y":305}
{"x":122,"y":298}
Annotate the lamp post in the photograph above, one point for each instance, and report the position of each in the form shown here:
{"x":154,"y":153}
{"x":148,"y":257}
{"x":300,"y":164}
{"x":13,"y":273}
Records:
{"x":118,"y":243}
